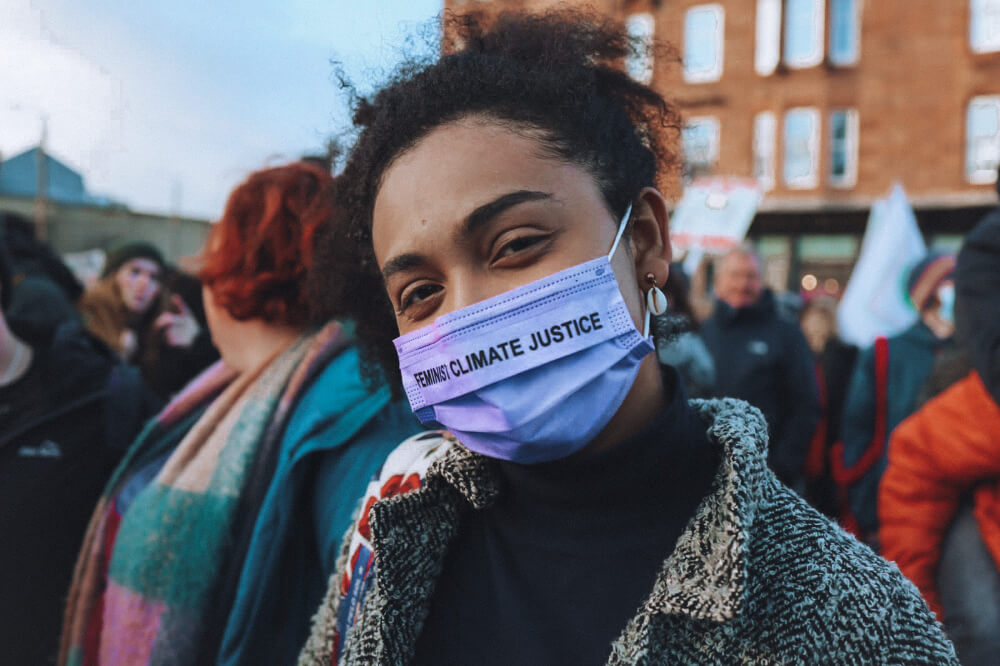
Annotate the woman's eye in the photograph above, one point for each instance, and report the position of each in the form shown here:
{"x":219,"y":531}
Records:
{"x":517,"y":245}
{"x":418,"y":294}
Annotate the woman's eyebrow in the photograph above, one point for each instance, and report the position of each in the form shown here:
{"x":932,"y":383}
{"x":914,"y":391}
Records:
{"x":485,"y":213}
{"x":402,"y":262}
{"x":474,"y":221}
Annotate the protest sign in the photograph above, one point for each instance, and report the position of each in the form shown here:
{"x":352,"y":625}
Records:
{"x":713,"y":215}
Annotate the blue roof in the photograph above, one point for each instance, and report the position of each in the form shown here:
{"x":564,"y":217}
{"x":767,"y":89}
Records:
{"x":18,"y":178}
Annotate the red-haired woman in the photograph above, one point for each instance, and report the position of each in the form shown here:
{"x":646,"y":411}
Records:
{"x":227,"y":514}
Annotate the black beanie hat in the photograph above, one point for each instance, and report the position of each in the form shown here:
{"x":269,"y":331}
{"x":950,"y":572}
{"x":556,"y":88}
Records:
{"x":119,"y":254}
{"x":977,"y":300}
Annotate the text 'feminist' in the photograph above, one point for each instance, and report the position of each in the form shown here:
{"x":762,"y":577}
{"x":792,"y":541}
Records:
{"x":504,"y":351}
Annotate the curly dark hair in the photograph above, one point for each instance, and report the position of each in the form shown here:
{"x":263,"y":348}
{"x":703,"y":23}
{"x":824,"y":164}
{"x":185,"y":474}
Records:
{"x":555,"y":76}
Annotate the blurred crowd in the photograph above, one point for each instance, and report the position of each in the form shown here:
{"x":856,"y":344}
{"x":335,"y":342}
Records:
{"x":184,"y":449}
{"x":900,"y":441}
{"x":897,"y":441}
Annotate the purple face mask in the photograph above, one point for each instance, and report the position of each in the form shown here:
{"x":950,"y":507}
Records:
{"x":533,"y":374}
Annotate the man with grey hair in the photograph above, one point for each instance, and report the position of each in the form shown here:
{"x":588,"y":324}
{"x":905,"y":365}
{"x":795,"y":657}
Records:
{"x":763,"y":358}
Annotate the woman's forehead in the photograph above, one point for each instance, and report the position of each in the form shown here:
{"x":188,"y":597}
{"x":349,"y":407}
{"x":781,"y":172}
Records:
{"x":469,"y":155}
{"x":461,"y":165}
{"x":140,"y":263}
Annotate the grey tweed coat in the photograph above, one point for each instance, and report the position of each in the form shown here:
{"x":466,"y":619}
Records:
{"x":757,"y":577}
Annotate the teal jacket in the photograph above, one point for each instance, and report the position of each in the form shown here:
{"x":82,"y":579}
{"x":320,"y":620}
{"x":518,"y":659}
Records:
{"x":911,"y":358}
{"x":336,"y":439}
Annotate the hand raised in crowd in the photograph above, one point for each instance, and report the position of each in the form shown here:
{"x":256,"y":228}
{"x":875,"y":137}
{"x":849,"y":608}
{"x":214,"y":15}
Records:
{"x":129,"y":343}
{"x":180,"y":328}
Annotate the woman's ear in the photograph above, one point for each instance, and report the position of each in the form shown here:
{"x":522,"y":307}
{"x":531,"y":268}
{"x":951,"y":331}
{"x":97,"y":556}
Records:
{"x":651,"y":236}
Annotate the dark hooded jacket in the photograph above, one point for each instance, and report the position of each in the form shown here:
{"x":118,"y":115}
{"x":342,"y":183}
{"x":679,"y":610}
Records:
{"x":763,"y":358}
{"x":43,"y":288}
{"x":63,"y":428}
{"x":977,"y":299}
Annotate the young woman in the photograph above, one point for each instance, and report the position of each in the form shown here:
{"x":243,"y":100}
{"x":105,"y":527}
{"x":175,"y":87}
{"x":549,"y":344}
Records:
{"x":123,"y":303}
{"x":578,"y":510}
{"x":136,"y":310}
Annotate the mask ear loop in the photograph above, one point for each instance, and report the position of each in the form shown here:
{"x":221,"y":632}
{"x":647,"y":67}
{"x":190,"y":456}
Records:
{"x":621,"y":231}
{"x":656,"y":301}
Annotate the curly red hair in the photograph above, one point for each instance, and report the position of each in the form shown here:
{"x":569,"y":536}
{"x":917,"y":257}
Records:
{"x":258,"y":254}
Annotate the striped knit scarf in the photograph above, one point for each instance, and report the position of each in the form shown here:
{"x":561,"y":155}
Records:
{"x":144,"y":582}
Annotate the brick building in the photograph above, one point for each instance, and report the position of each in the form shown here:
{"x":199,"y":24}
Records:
{"x":827,"y":103}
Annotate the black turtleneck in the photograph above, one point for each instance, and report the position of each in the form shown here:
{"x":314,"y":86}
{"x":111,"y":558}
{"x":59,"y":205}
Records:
{"x":553,"y":571}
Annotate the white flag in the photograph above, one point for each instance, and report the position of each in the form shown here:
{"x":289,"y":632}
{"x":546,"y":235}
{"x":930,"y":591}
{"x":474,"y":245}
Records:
{"x":875,"y":301}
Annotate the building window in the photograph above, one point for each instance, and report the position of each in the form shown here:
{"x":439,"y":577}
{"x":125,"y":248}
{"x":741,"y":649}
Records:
{"x":845,"y":32}
{"x":639,"y":65}
{"x":984,"y":25}
{"x":703,"y":40}
{"x":701,"y":145}
{"x":843,"y":147}
{"x":801,"y":148}
{"x":803,"y":33}
{"x":767,"y":50}
{"x":982,"y":142}
{"x":764,"y":129}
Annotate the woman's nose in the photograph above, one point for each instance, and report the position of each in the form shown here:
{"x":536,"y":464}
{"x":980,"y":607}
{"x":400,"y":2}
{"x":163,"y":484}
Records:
{"x":470,"y":290}
{"x":143,"y":282}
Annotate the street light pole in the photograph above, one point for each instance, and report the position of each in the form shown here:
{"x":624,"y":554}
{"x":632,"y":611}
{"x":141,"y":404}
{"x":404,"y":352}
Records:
{"x":42,"y":184}
{"x":41,"y":171}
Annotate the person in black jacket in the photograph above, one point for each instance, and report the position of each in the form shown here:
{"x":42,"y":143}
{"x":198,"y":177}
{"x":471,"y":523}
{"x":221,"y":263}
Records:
{"x":763,"y":359}
{"x":43,"y":289}
{"x":834,"y":360}
{"x":977,"y":297}
{"x":68,"y":411}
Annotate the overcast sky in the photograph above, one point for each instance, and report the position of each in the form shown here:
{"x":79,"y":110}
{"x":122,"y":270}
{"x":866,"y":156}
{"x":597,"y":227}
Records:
{"x":166,"y":106}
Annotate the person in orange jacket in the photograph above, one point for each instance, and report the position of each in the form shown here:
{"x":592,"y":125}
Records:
{"x":949,"y":447}
{"x":946,"y":455}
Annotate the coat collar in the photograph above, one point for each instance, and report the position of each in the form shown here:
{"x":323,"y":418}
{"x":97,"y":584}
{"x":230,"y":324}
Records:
{"x":703,"y":578}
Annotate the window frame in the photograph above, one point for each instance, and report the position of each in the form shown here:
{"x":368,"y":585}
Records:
{"x":983,"y":176}
{"x":814,"y":57}
{"x":714,"y":143}
{"x":991,"y":43}
{"x":810,"y":180}
{"x":764,"y":149}
{"x":767,"y":36}
{"x":851,"y":139}
{"x":855,"y":54}
{"x":715,"y":73}
{"x":640,"y":66}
